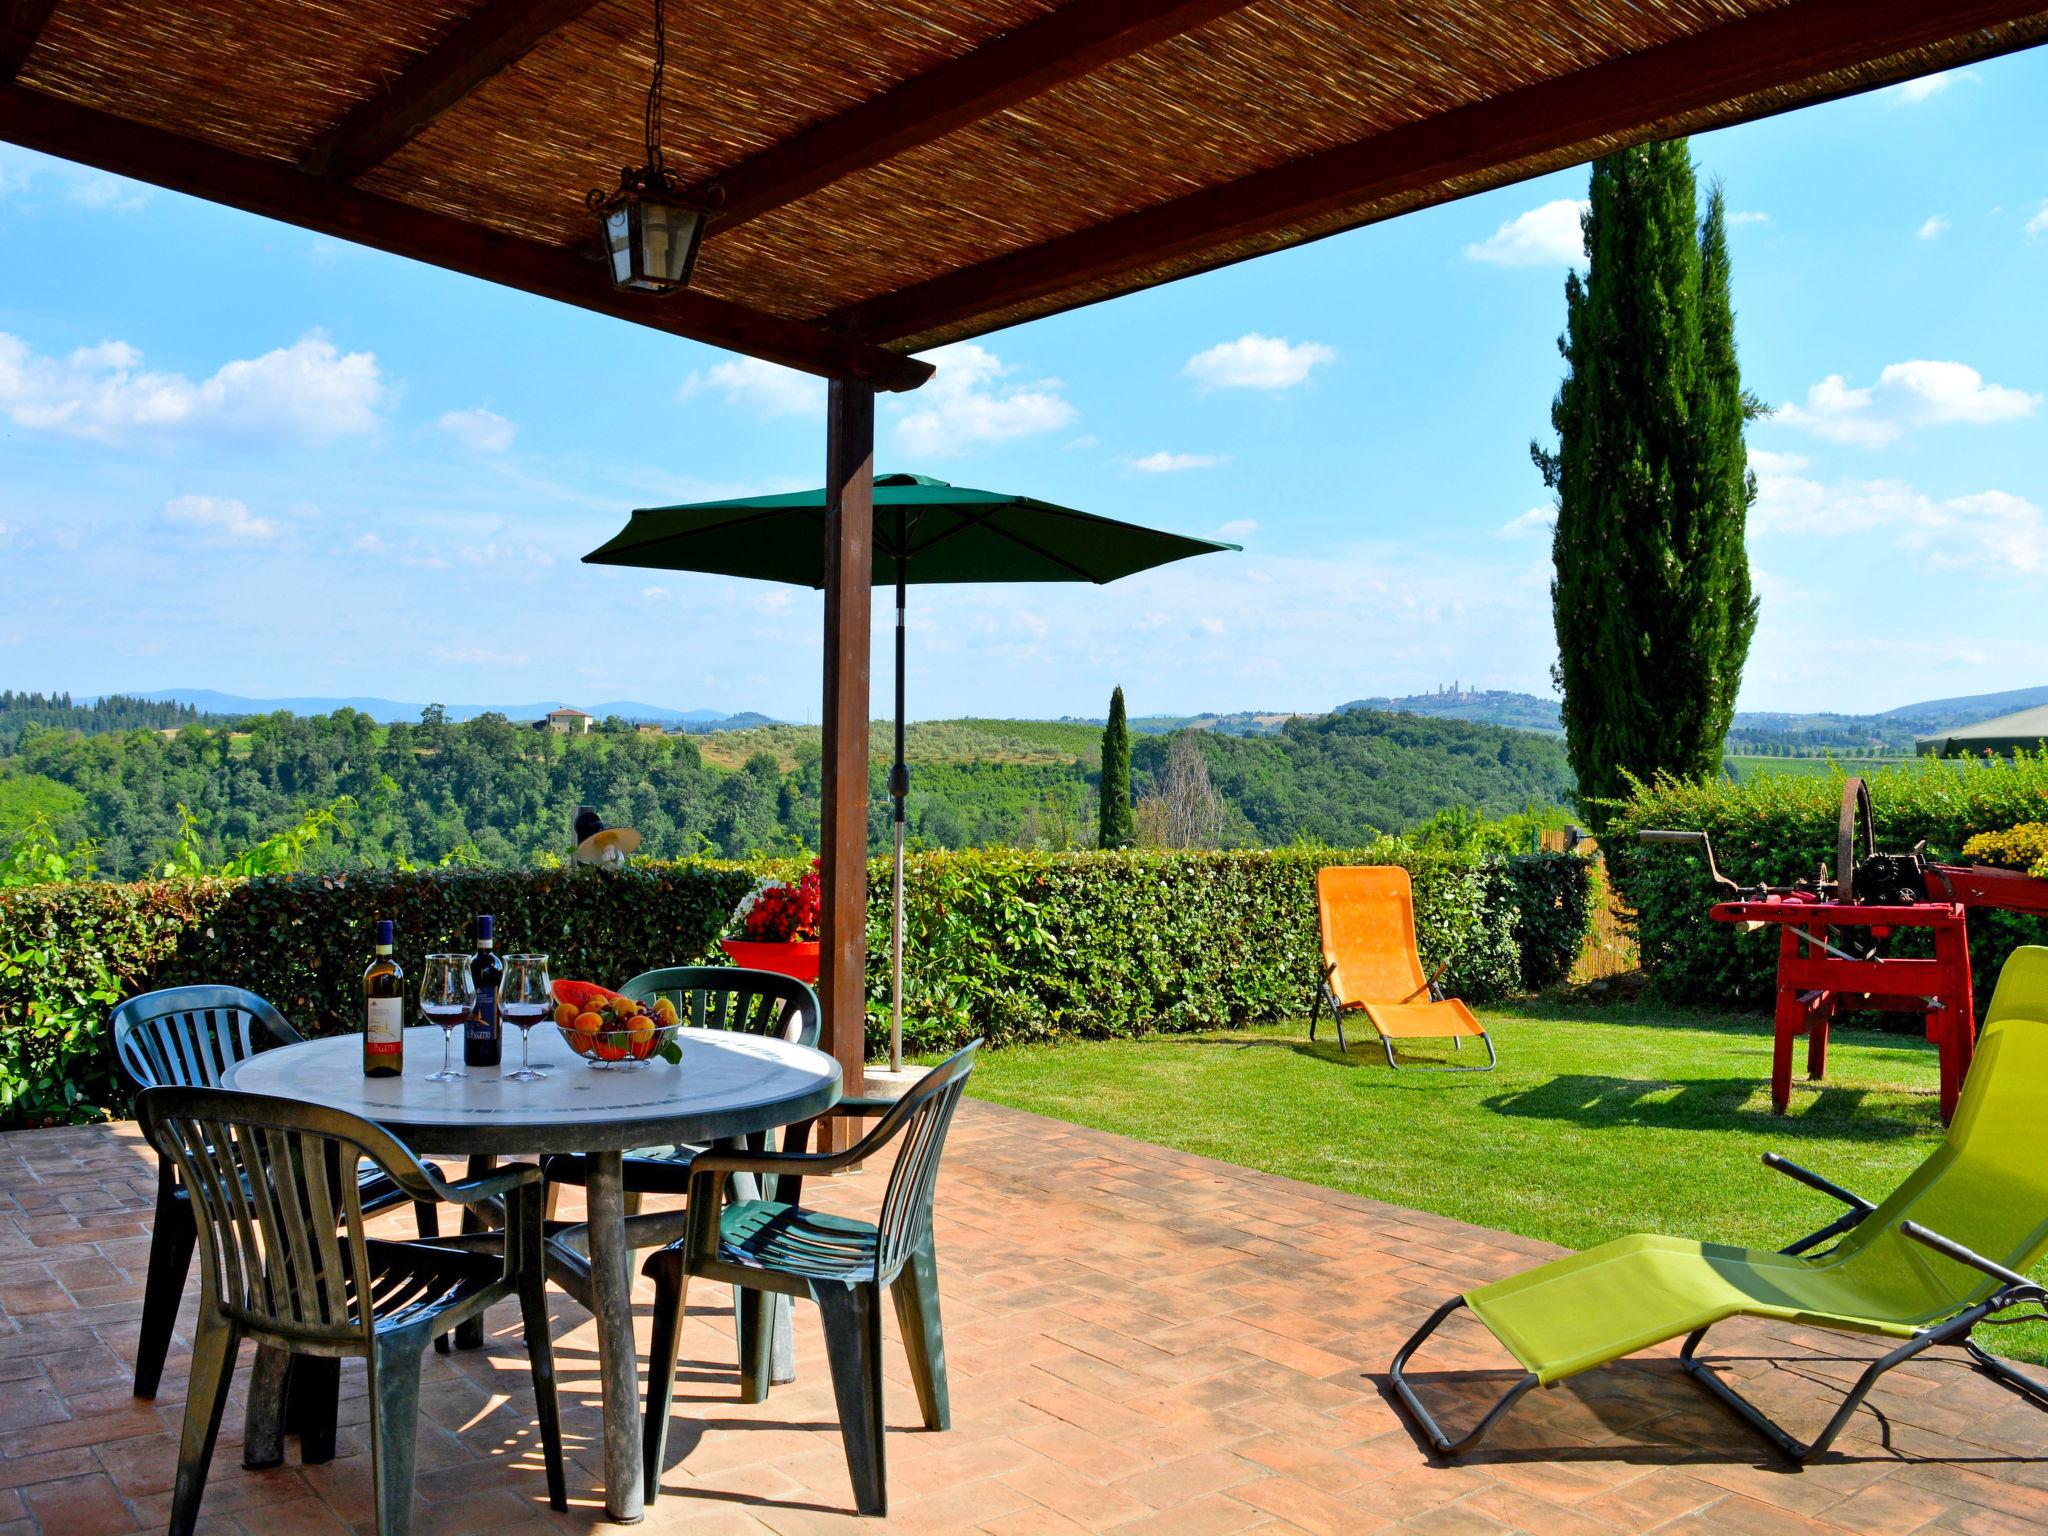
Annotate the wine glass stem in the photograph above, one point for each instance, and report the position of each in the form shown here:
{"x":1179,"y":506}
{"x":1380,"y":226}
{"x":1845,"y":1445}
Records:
{"x":446,"y":1036}
{"x":525,"y":1042}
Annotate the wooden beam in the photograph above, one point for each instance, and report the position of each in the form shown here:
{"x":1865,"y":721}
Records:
{"x":497,"y":35}
{"x":21,"y":23}
{"x":276,"y":190}
{"x":1074,"y":40}
{"x":1627,"y":95}
{"x":843,"y":834}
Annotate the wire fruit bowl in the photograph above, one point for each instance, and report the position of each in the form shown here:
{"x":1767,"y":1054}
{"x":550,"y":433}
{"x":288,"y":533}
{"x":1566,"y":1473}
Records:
{"x":622,"y":1047}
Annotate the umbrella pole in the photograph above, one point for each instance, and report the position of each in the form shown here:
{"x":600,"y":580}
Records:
{"x":899,"y":788}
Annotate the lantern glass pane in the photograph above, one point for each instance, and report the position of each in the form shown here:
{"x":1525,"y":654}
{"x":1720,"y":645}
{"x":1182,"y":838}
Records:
{"x":618,"y":242}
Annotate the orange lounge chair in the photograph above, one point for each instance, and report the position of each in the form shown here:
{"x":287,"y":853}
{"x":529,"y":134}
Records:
{"x":1370,"y":964}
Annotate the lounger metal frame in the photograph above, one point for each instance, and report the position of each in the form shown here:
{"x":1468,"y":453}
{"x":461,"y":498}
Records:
{"x":2014,"y":1290}
{"x":1326,"y":997}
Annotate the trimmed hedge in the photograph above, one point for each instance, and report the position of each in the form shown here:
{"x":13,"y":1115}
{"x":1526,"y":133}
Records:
{"x":1779,"y":827}
{"x":1012,"y":946}
{"x":69,"y":952}
{"x":1025,"y":946}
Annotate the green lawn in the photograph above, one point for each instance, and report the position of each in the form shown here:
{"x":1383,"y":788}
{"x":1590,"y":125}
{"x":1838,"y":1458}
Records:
{"x":1597,"y":1122}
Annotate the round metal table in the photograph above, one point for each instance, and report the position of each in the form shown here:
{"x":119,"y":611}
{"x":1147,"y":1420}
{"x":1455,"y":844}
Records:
{"x":726,"y":1086}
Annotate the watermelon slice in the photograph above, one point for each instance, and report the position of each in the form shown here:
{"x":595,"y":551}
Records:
{"x":585,"y":995}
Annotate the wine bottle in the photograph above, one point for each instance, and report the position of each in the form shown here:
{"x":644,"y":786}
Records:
{"x":383,"y":1010}
{"x":482,"y":1039}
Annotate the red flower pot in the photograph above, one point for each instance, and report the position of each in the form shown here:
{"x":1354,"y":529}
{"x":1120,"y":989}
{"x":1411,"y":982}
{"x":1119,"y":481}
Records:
{"x":797,"y":958}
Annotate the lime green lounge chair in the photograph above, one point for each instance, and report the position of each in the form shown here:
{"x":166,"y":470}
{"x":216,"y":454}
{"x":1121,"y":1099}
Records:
{"x":1948,"y":1250}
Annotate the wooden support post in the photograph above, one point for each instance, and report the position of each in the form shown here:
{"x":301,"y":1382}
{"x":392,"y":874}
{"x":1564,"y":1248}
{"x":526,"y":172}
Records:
{"x":849,"y":572}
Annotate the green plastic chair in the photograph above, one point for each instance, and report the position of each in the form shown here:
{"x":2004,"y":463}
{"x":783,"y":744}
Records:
{"x":776,"y":1246}
{"x":705,"y":997}
{"x":189,"y":1037}
{"x":1948,"y":1250}
{"x":284,"y":1261}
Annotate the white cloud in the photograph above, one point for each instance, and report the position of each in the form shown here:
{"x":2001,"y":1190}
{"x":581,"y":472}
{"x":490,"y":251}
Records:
{"x":309,"y":392}
{"x":371,"y":544}
{"x":1542,"y":237}
{"x":1935,"y":226}
{"x":108,"y":194}
{"x":1164,"y":463}
{"x":222,"y":517}
{"x":478,"y":430}
{"x":1237,"y":530}
{"x":2038,"y":224}
{"x":1907,"y":395}
{"x":653,"y":594}
{"x":1995,"y":529}
{"x":766,"y":388}
{"x":1764,"y":462}
{"x":973,"y":402}
{"x":1254,"y":361}
{"x":1537,"y":521}
{"x":14,"y":172}
{"x":1912,"y":92}
{"x":1737,"y":220}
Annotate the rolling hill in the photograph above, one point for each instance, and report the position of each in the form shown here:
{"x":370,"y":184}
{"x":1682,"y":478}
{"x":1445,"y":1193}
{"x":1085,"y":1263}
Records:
{"x":390,"y":711}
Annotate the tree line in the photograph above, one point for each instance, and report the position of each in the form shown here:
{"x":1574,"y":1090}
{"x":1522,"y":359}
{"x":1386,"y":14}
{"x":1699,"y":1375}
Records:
{"x":115,"y":712}
{"x":492,"y":792}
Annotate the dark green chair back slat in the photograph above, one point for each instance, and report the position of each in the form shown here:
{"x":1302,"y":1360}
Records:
{"x":734,"y":998}
{"x":922,"y":1118}
{"x":281,"y":1240}
{"x":188,"y":1037}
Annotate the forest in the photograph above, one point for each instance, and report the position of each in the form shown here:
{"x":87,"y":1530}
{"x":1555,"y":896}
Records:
{"x":493,"y":792}
{"x":115,"y":712}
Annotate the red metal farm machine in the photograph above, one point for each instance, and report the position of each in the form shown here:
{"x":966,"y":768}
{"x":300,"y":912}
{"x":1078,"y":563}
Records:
{"x":1832,"y":929}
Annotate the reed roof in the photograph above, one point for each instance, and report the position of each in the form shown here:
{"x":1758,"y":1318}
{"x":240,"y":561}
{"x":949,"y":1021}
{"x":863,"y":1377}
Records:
{"x":902,"y":173}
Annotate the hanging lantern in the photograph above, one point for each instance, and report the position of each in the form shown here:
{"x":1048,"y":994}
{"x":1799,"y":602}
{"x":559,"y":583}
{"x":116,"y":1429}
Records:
{"x":650,"y":230}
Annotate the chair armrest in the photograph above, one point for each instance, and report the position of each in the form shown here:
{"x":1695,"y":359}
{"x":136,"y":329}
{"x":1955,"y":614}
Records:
{"x":859,"y":1106}
{"x":1949,"y":1248}
{"x":798,"y":1163}
{"x":1812,"y":1180}
{"x":1429,"y":986}
{"x":485,"y":1187}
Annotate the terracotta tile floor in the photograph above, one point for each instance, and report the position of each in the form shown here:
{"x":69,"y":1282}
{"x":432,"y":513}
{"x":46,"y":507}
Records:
{"x":1141,"y":1341}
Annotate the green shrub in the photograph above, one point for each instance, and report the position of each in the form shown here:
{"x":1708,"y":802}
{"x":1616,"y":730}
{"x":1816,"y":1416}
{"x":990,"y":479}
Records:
{"x":68,"y":952}
{"x":1779,"y":827}
{"x":1021,"y":946}
{"x":1009,"y":945}
{"x":1554,"y":898}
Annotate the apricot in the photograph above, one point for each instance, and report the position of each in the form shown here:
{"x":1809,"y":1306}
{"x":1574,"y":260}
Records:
{"x":589,"y":1023}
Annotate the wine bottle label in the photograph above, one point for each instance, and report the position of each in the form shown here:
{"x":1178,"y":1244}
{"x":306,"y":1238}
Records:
{"x":384,"y":1026}
{"x":483,"y":1019}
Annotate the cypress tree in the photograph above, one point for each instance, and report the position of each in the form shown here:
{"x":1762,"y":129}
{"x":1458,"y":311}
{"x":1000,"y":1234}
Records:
{"x":1117,"y":827}
{"x":1651,"y":595}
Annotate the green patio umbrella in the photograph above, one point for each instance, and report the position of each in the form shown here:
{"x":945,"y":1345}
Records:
{"x":927,"y":532}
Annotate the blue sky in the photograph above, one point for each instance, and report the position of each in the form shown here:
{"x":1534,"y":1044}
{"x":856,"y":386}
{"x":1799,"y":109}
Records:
{"x":234,"y":455}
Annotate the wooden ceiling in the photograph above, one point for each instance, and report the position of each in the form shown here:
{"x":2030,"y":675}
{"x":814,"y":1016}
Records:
{"x":893,"y":174}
